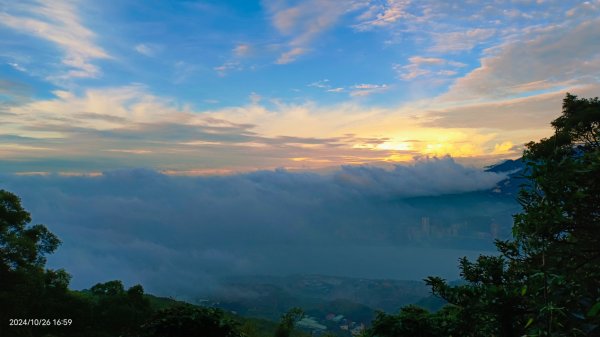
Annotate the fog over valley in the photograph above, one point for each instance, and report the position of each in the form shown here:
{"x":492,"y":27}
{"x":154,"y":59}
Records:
{"x":179,"y":235}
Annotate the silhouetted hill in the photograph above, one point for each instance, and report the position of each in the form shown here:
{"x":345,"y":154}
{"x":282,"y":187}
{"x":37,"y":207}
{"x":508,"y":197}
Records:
{"x":355,"y":298}
{"x":508,"y":165}
{"x":515,"y":170}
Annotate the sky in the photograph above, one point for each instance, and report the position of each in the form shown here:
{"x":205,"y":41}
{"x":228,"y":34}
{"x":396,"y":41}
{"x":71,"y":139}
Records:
{"x":210,"y":87}
{"x":169,"y":143}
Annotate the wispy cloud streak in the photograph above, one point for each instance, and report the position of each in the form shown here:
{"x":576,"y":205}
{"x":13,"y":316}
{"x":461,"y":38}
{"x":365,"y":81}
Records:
{"x":58,"y":22}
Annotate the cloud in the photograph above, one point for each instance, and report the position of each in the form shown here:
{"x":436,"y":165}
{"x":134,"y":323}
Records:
{"x":322,"y":84}
{"x":410,"y":71}
{"x":554,"y":58}
{"x":17,"y":67}
{"x":171,"y":232}
{"x":588,"y":9}
{"x":359,"y":90}
{"x":459,"y":41}
{"x":59,"y":23}
{"x":242,"y":49}
{"x":13,"y":92}
{"x":531,"y":113}
{"x":425,"y":177}
{"x":383,"y":14}
{"x":161,"y":132}
{"x":420,"y":66}
{"x":228,"y":66}
{"x":427,"y":60}
{"x":303,"y":22}
{"x":505,"y":147}
{"x":290,"y":56}
{"x":234,"y":63}
{"x":147,"y":49}
{"x":112,"y":122}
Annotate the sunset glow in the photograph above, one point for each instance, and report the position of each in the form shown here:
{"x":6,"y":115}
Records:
{"x":299,"y":85}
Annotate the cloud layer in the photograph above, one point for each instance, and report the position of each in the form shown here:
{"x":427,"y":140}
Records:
{"x":177,"y":234}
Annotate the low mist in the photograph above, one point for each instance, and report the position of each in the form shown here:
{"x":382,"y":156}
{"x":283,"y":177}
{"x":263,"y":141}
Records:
{"x":179,"y":235}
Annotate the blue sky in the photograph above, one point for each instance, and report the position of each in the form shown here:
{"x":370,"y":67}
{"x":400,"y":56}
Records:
{"x":197,"y":87}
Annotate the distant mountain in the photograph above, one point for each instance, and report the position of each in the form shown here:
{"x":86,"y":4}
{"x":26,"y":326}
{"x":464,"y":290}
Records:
{"x":508,"y":165}
{"x":354,"y":298}
{"x":516,"y":170}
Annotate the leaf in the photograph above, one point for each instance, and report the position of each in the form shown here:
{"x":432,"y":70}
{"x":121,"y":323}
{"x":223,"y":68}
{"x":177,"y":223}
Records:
{"x":594,"y":310}
{"x":523,"y":290}
{"x":529,"y":322}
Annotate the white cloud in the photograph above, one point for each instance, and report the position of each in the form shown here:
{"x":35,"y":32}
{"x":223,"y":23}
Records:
{"x":228,"y":66}
{"x":584,"y":9}
{"x":421,"y":178}
{"x":291,"y":56}
{"x":410,"y":71}
{"x":427,"y":60}
{"x":532,"y":113}
{"x":17,"y":66}
{"x":553,"y":58}
{"x":420,"y":66}
{"x":367,"y":89}
{"x":459,"y":41}
{"x":234,"y":63}
{"x":58,"y":22}
{"x":147,"y":49}
{"x":242,"y":49}
{"x":447,"y":72}
{"x":383,"y":14}
{"x":302,"y":22}
{"x":323,"y":84}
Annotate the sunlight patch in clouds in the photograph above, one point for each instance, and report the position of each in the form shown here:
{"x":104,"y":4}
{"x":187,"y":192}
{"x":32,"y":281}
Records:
{"x":130,"y":124}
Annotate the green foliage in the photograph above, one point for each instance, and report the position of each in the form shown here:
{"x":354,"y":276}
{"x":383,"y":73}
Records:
{"x":22,"y":247}
{"x":288,"y":322}
{"x":121,"y":311}
{"x":545,"y":281}
{"x":557,"y":237}
{"x":413,"y":321}
{"x":490,"y":303}
{"x":23,"y":279}
{"x":189,"y":320}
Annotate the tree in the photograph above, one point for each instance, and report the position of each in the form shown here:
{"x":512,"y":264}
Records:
{"x":189,"y":320}
{"x":21,"y":246}
{"x":490,"y":303}
{"x":545,"y":280}
{"x":557,"y":237}
{"x":288,"y":322}
{"x":23,"y":278}
{"x":120,"y":311}
{"x":413,"y":321}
